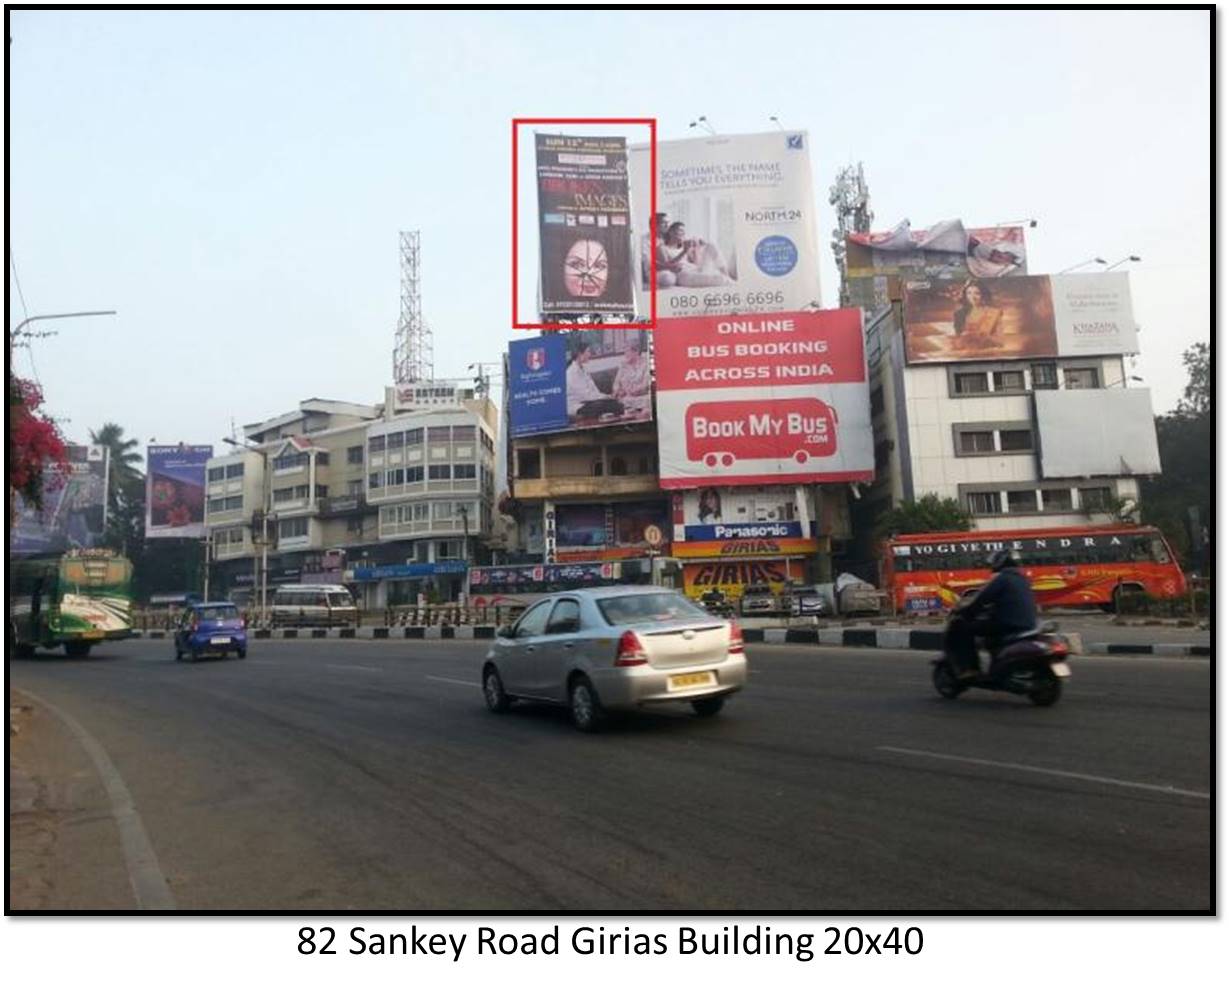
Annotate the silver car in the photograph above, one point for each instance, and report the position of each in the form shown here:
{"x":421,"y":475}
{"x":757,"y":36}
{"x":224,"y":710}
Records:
{"x":603,"y":649}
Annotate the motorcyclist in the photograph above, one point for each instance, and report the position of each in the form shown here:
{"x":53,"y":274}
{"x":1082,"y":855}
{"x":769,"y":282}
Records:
{"x":1003,"y":608}
{"x":714,"y":600}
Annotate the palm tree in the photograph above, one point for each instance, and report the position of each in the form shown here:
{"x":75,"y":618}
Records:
{"x":124,"y":473}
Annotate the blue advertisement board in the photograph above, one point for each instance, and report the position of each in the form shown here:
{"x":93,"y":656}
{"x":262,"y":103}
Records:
{"x":537,"y":383}
{"x":405,"y":571}
{"x":744,"y":531}
{"x":175,"y":490}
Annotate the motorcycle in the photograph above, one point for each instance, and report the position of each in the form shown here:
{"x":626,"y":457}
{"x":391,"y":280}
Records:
{"x":718,"y":605}
{"x":1033,"y":664}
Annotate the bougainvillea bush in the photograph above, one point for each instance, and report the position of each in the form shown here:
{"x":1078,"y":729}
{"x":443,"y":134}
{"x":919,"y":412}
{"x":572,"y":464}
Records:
{"x":35,"y":444}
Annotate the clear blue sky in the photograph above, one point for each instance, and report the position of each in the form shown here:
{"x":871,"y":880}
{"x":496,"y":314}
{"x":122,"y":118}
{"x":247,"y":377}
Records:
{"x":233,"y":182}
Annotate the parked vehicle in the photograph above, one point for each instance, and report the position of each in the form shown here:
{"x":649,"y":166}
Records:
{"x":313,"y":605}
{"x":72,"y":600}
{"x":807,"y":600}
{"x":1033,"y":664}
{"x":758,"y":599}
{"x":603,"y":649}
{"x":211,"y":628}
{"x":716,"y":603}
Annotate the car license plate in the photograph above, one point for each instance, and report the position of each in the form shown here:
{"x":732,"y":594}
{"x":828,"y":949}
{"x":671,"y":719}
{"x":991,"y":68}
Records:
{"x":704,"y":678}
{"x":220,"y":640}
{"x":1060,"y":670}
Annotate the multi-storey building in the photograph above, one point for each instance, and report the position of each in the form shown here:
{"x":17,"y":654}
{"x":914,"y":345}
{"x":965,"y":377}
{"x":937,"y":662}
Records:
{"x":392,"y":498}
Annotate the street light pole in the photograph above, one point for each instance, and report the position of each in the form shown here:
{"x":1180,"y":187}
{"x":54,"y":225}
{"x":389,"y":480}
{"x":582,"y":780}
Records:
{"x":264,"y":517}
{"x":60,"y":316}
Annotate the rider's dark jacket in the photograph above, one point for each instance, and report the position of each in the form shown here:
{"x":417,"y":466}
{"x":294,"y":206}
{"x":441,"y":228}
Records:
{"x":1007,"y":601}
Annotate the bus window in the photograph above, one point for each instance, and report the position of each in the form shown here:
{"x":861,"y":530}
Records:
{"x":1160,"y":552}
{"x":1141,"y":549}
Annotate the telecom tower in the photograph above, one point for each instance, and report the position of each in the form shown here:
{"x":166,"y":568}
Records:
{"x":853,"y":214}
{"x":413,"y":352}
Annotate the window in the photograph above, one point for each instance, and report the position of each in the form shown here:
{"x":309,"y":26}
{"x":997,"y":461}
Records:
{"x":413,"y":437}
{"x":1009,"y":381}
{"x":282,"y":495}
{"x":1015,"y":440}
{"x":533,"y":622}
{"x":597,"y":469}
{"x":565,"y":618}
{"x":1095,"y":498}
{"x":528,"y":464}
{"x":395,"y":477}
{"x":300,"y":491}
{"x":463,"y":471}
{"x":375,"y":445}
{"x":375,"y":480}
{"x":442,"y":511}
{"x":984,"y":503}
{"x":439,"y":434}
{"x":322,"y":491}
{"x":354,"y":455}
{"x":395,"y":441}
{"x":322,"y":458}
{"x":647,"y":466}
{"x":354,"y":487}
{"x":439,"y":472}
{"x":422,"y":552}
{"x":413,"y":475}
{"x":290,"y":528}
{"x":650,"y":607}
{"x":421,"y":511}
{"x":1022,"y":501}
{"x":217,"y":474}
{"x":618,"y":466}
{"x":448,"y":550}
{"x":355,"y":525}
{"x":970,"y":382}
{"x":232,"y":504}
{"x":1056,"y":499}
{"x":1045,"y":376}
{"x":460,"y":433}
{"x":976,"y":442}
{"x":1080,"y":378}
{"x":288,"y":462}
{"x":234,"y":470}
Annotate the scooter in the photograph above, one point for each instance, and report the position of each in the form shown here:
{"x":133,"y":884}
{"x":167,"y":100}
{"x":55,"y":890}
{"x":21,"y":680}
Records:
{"x":1033,"y":664}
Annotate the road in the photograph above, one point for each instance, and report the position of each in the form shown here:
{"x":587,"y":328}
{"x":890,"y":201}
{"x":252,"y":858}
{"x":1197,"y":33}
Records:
{"x":337,"y":775}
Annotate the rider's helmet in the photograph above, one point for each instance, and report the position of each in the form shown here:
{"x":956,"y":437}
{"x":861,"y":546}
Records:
{"x":1003,"y":558}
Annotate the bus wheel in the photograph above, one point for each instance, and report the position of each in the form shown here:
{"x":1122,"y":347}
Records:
{"x":24,"y":651}
{"x":77,"y":649}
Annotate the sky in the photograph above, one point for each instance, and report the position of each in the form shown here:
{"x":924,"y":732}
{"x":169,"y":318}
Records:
{"x":233,"y":183}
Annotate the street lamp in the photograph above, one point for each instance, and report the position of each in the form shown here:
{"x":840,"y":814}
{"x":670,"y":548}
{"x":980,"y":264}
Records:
{"x":1089,"y":261}
{"x":264,"y":516}
{"x":61,"y":316}
{"x":773,"y":118}
{"x":1129,"y":257}
{"x":1009,"y":223}
{"x":704,"y":121}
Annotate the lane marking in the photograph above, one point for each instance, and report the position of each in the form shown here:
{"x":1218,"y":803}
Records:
{"x":353,"y":666}
{"x":1068,"y":774}
{"x":452,"y":680}
{"x":148,"y":881}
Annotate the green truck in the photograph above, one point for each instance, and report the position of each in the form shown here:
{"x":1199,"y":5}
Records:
{"x":73,"y":600}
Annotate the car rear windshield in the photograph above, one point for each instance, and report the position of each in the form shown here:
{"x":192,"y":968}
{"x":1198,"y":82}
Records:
{"x":216,"y":612}
{"x":653,"y":607}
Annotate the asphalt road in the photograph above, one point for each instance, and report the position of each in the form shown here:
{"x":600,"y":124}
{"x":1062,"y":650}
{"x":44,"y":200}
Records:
{"x":337,"y":775}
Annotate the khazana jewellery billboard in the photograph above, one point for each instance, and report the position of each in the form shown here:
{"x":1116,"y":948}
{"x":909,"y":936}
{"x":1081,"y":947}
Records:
{"x":583,"y":225}
{"x":175,"y":490}
{"x":775,"y":399}
{"x":735,"y":228}
{"x":1030,"y":316}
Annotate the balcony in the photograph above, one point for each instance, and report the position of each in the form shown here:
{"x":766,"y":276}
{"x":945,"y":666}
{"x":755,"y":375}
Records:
{"x":572,"y":485}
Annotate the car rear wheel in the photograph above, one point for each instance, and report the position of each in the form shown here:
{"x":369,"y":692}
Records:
{"x":497,"y":699}
{"x":707,"y":707}
{"x":584,"y":706}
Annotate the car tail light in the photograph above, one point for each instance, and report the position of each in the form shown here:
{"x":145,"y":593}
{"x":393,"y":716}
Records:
{"x":1059,"y":648}
{"x":631,"y":651}
{"x":736,"y":638}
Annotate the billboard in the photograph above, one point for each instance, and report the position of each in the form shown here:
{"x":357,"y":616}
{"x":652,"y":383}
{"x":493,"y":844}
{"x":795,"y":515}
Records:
{"x":175,"y":490}
{"x":735,"y":227}
{"x":1025,"y":317}
{"x":583,"y":225}
{"x":74,"y":512}
{"x":777,"y":399}
{"x":1087,"y":432}
{"x":946,"y":249}
{"x":579,"y":379}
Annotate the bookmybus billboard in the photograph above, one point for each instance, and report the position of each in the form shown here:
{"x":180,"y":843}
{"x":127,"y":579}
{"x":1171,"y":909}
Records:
{"x":780,"y":398}
{"x":175,"y":491}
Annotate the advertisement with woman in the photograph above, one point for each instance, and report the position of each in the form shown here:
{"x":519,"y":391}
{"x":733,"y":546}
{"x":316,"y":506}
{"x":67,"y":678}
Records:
{"x":175,"y":491}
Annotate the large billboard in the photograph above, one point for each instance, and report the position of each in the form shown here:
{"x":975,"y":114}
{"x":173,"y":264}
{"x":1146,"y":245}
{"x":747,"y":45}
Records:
{"x":74,"y":512}
{"x":948,"y":248}
{"x":577,"y":380}
{"x":583,"y":225}
{"x":776,"y":399}
{"x":1026,"y":317}
{"x":735,"y":227}
{"x":175,"y":490}
{"x":1087,"y":432}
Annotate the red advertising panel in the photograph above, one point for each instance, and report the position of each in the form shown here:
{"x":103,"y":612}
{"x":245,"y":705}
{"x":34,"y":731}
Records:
{"x":778,"y":398}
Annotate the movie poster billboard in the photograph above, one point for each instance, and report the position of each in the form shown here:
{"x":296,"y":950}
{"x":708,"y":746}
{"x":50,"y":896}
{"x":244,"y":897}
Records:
{"x":579,"y":379}
{"x":774,"y":399}
{"x":735,"y":229}
{"x":948,"y":249}
{"x":175,"y":491}
{"x":74,"y":512}
{"x":584,"y":226}
{"x":1028,"y":317}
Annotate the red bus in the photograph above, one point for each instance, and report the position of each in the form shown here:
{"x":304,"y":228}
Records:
{"x":929,"y":572}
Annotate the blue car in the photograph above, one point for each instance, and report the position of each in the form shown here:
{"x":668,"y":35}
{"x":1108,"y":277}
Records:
{"x":210,"y":628}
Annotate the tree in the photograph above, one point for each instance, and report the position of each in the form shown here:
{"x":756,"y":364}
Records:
{"x":929,"y":514}
{"x":123,"y":460}
{"x":1197,"y":396}
{"x":35,"y":444}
